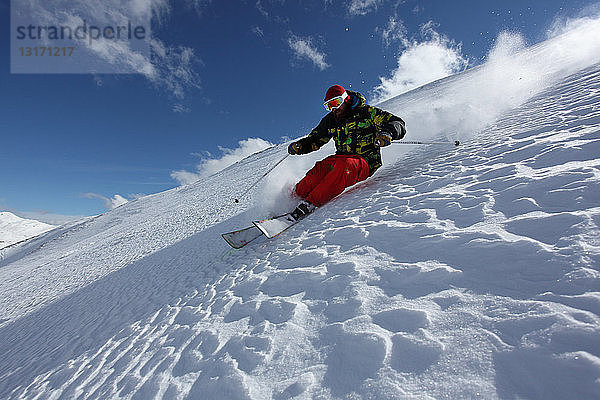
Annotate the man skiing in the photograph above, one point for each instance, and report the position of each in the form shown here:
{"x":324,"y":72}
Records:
{"x":359,"y":131}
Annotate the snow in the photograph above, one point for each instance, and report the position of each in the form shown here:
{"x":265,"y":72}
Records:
{"x":14,"y":229}
{"x":469,"y":272}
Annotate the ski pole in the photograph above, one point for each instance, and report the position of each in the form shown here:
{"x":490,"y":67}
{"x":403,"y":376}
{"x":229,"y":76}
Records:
{"x":456,"y":142}
{"x":261,"y":178}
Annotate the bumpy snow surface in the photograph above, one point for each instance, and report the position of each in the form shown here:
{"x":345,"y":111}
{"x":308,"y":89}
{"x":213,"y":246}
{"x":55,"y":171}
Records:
{"x":459,"y":273}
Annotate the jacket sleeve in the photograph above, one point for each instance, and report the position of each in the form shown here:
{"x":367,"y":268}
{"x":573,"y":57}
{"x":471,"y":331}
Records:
{"x":316,"y":138}
{"x":388,"y":122}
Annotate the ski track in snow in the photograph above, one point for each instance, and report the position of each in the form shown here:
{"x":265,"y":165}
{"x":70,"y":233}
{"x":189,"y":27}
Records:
{"x":454,"y":273}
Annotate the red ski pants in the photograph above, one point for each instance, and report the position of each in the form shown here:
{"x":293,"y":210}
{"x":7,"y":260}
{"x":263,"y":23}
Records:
{"x":329,"y":177}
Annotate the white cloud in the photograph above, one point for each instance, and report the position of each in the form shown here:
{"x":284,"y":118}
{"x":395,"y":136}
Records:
{"x":198,"y":5}
{"x":210,"y":165}
{"x":395,"y":31}
{"x":174,"y":68}
{"x":362,"y":7}
{"x":181,"y":108}
{"x":258,"y":31}
{"x":170,"y":67}
{"x":261,"y":9}
{"x":185,"y":177}
{"x":303,"y":48}
{"x":421,"y":62}
{"x":114,"y":202}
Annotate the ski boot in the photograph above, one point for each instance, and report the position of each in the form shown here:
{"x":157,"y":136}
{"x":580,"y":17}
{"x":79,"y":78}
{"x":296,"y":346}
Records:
{"x":302,"y":210}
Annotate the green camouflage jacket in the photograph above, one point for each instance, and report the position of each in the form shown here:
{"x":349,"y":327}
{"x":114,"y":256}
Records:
{"x":356,"y":134}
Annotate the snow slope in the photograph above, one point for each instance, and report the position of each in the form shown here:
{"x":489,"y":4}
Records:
{"x":452,"y":273}
{"x":14,"y":229}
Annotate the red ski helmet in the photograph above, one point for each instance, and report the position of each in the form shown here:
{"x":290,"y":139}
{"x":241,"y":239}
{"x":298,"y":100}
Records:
{"x":334,"y":91}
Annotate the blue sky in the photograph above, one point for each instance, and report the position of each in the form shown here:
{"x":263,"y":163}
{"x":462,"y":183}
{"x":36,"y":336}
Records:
{"x":231,"y":70}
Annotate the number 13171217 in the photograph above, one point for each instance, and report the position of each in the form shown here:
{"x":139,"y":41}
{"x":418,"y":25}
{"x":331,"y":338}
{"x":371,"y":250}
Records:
{"x":46,"y":51}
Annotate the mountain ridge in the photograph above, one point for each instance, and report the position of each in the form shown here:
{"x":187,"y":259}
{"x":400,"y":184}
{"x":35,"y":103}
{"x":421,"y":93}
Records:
{"x":14,"y":229}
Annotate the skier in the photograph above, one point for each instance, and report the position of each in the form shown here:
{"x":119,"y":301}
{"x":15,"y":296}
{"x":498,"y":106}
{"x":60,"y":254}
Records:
{"x":359,"y":131}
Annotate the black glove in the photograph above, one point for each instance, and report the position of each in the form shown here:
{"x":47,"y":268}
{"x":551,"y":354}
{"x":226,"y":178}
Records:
{"x":302,"y":146}
{"x":383,"y":139}
{"x":395,"y":128}
{"x":295,"y":148}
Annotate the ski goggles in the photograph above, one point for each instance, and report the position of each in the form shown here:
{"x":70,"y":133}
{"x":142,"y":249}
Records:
{"x":335,"y":102}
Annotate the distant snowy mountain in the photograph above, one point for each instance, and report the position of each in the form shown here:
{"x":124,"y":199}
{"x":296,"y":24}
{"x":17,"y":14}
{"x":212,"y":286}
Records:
{"x":14,"y":229}
{"x":459,"y":273}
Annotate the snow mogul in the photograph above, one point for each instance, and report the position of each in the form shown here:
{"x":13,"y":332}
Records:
{"x":359,"y":131}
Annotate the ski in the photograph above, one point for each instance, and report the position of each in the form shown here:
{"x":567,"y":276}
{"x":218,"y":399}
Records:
{"x":269,"y":227}
{"x":240,"y":238}
{"x":272,"y":227}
